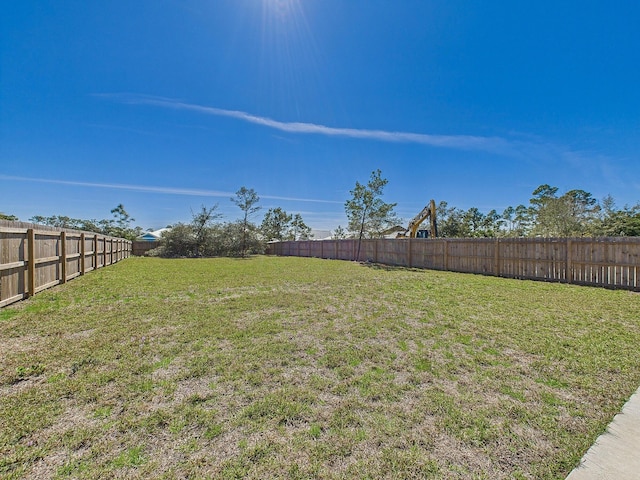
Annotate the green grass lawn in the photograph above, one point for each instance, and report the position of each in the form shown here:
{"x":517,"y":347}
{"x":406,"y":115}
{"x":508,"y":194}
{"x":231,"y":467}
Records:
{"x":305,"y":368}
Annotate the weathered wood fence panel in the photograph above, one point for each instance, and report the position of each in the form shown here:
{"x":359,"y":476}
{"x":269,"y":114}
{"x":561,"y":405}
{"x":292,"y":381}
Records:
{"x":36,"y":257}
{"x":607,"y":262}
{"x":140,"y":247}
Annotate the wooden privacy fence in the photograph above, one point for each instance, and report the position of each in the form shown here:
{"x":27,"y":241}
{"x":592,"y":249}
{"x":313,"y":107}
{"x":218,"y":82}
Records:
{"x":607,"y":262}
{"x":35,"y":257}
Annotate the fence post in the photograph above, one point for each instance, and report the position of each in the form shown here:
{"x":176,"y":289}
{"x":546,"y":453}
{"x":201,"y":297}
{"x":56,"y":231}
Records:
{"x":95,"y":251}
{"x":31,"y":256}
{"x":63,"y":257}
{"x":409,"y":252}
{"x":569,"y":267}
{"x":82,"y":254}
{"x":496,"y":257}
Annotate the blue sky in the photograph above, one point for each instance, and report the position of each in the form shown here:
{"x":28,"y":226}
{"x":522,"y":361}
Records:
{"x":167,"y":105}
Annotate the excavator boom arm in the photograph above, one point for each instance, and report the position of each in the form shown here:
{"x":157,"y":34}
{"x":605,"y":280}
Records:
{"x":414,"y":224}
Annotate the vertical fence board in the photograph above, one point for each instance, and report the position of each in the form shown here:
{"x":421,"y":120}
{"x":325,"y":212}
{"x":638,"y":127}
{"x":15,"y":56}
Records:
{"x":63,"y":257}
{"x":31,"y":265}
{"x":83,"y":254}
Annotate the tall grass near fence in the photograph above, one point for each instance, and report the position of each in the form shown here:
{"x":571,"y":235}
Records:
{"x":36,"y":257}
{"x":295,"y":368}
{"x":607,"y":262}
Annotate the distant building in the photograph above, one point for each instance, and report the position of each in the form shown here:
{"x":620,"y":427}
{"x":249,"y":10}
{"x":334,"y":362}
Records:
{"x":321,"y":234}
{"x":152,"y":236}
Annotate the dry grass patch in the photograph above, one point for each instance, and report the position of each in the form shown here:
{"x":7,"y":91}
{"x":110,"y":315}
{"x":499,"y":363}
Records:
{"x":305,"y":368}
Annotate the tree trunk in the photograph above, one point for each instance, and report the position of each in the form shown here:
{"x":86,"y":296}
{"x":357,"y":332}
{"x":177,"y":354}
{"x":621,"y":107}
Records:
{"x":364,"y":216}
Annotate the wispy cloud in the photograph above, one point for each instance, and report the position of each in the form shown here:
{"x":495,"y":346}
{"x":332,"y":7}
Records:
{"x":161,"y":190}
{"x":461,"y":142}
{"x":529,"y":148}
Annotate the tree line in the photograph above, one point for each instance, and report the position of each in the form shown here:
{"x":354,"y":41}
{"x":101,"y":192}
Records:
{"x":575,"y":213}
{"x":548,"y":214}
{"x":120,"y":225}
{"x":206,"y":236}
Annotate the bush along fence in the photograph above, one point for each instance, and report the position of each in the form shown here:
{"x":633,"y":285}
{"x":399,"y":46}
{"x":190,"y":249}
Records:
{"x":607,"y":262}
{"x":36,"y":257}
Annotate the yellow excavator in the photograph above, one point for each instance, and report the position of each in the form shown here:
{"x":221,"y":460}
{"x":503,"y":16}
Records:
{"x":413,"y":230}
